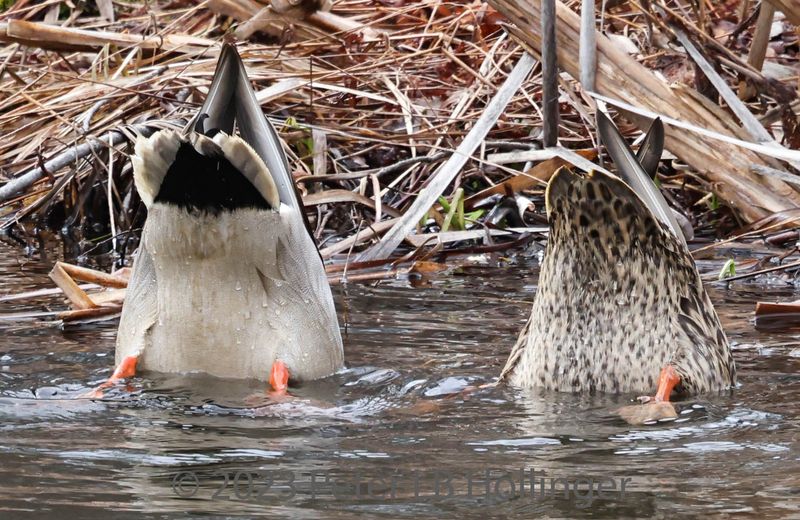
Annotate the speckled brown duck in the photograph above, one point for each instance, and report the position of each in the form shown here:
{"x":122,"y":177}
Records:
{"x":620,"y":306}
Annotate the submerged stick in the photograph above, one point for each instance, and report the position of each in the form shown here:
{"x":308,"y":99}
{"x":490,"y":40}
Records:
{"x":39,"y":293}
{"x":764,"y":309}
{"x":83,"y":314}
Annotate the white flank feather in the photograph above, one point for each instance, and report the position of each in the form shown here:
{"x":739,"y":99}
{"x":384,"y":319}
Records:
{"x":153,"y":157}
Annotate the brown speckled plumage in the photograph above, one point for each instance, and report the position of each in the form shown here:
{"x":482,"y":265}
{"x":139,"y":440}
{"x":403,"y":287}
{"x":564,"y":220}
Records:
{"x":619,"y":298}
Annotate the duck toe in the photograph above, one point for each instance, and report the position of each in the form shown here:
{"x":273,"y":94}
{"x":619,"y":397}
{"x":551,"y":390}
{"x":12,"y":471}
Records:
{"x":647,"y":413}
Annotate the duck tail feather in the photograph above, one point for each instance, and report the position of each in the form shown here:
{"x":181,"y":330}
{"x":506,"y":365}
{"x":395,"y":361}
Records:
{"x":649,"y":153}
{"x":218,"y":112}
{"x":634,"y":174}
{"x":258,"y":132}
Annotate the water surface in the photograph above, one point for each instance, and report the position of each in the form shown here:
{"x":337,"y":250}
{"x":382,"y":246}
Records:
{"x":375,"y":440}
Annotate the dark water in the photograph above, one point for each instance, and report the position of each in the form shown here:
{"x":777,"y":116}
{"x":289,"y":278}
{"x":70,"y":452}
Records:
{"x":377,"y":438}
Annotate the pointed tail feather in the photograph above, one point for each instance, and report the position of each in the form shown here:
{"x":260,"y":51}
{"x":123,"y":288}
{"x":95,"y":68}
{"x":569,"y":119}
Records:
{"x":258,"y":132}
{"x":649,"y":153}
{"x":634,"y":174}
{"x":231,"y":97}
{"x":218,"y":109}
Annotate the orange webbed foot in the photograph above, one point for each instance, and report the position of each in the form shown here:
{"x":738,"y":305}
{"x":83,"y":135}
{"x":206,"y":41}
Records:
{"x":278,"y":390}
{"x":654,"y":409}
{"x":279,"y":379}
{"x":125,"y":370}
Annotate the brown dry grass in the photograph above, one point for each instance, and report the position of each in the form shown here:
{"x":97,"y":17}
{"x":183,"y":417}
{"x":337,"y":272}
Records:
{"x":368,"y":114}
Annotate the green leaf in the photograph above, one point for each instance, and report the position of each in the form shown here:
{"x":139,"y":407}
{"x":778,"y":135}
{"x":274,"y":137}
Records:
{"x":460,"y":209}
{"x":713,"y":203}
{"x":474,"y":215}
{"x":457,"y":199}
{"x":728,"y":270}
{"x":424,"y":219}
{"x":306,"y":147}
{"x":444,"y":203}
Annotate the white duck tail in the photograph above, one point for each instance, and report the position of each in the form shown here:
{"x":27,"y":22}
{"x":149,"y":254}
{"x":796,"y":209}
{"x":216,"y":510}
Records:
{"x":227,"y":280}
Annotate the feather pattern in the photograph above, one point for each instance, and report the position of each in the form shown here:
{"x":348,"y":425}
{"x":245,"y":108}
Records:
{"x":140,"y":311}
{"x":227,"y":279}
{"x":152,"y":158}
{"x":632,"y":171}
{"x":619,"y":297}
{"x":214,"y":312}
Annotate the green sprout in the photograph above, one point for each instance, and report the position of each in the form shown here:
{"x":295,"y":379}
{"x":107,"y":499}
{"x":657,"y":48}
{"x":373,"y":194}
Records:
{"x":728,"y":270}
{"x":713,"y":202}
{"x":458,"y":201}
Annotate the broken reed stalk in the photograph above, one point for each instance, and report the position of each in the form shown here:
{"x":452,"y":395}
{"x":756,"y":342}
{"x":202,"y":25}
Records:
{"x":758,"y":47}
{"x":445,"y":175}
{"x":94,"y":276}
{"x":588,"y":50}
{"x":47,"y":36}
{"x":76,"y":296}
{"x":64,"y":276}
{"x":360,"y":236}
{"x":622,"y":77}
{"x":367,"y":277}
{"x":67,"y":157}
{"x":549,"y":74}
{"x":791,"y":8}
{"x":539,"y":175}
